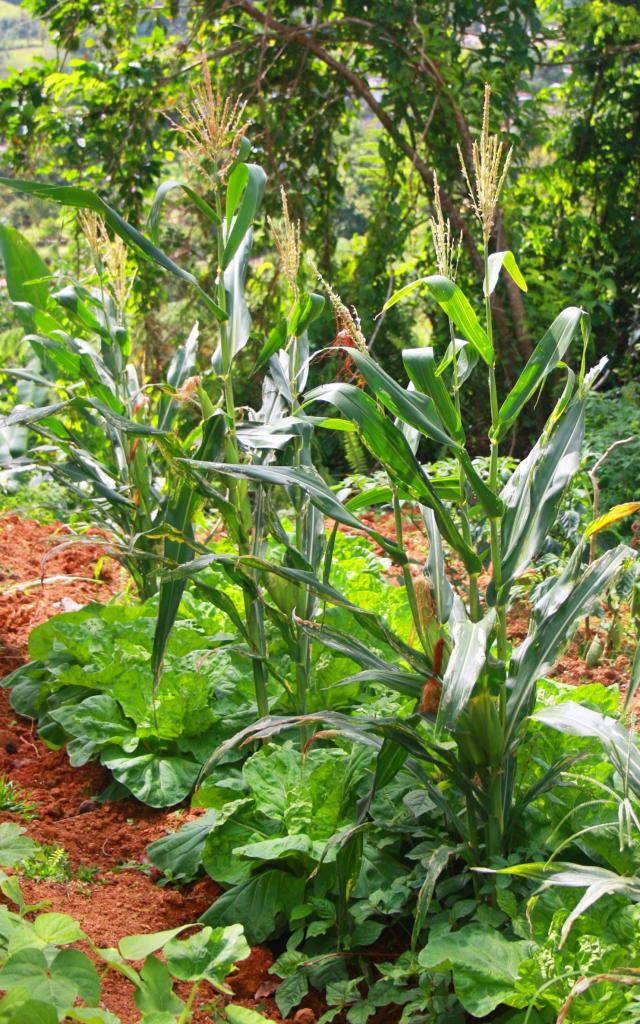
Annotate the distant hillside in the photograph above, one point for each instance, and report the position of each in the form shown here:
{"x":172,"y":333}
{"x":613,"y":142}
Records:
{"x":21,"y":38}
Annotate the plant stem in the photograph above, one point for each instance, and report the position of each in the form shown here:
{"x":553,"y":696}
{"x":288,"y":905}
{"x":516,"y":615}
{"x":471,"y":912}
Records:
{"x":495,"y":823}
{"x":408,"y":578}
{"x":474,"y":594}
{"x":238,"y":494}
{"x":185,"y":1016}
{"x":494,"y":522}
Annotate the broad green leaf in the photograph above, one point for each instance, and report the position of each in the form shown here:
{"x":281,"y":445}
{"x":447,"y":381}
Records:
{"x":484,"y":965}
{"x":181,"y":852}
{"x":466,"y":662}
{"x":614,"y":515}
{"x":85,"y":199}
{"x":498,"y":260}
{"x":457,"y":307}
{"x":17,"y":1007}
{"x":155,"y":993}
{"x":25,"y":271}
{"x":58,"y":929}
{"x":139,"y":947}
{"x":549,"y":351}
{"x":91,"y":1015}
{"x":160,"y":780}
{"x":261,"y":904}
{"x":100,"y":719}
{"x":243,"y":1015}
{"x":28,"y":968}
{"x":211,"y":954}
{"x":15,"y":845}
{"x":74,"y":966}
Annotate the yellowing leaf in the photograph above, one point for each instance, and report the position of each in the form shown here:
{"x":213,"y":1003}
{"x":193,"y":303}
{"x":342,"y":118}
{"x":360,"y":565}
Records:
{"x":614,"y":515}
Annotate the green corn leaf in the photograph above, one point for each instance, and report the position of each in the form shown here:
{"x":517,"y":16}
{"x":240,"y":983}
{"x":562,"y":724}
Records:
{"x":180,"y":510}
{"x":457,"y":307}
{"x":138,"y":947}
{"x":304,"y":311}
{"x":162,"y":191}
{"x":244,"y":195}
{"x":620,"y":744}
{"x":235,"y":276}
{"x":181,"y":367}
{"x":442,"y":589}
{"x":420,"y":364}
{"x":309,"y":481}
{"x":436,"y":865}
{"x":497,"y":261}
{"x":555,"y":612}
{"x":549,"y":351}
{"x":85,"y":199}
{"x":414,"y":408}
{"x":532,"y":495}
{"x":391,"y":448}
{"x":30,"y":416}
{"x":596,"y":881}
{"x":466,"y":662}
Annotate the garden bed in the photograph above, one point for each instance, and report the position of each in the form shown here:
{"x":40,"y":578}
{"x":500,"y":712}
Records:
{"x":108,"y":884}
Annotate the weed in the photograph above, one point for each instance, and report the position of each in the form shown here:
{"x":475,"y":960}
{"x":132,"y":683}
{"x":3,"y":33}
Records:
{"x":48,"y":863}
{"x":16,"y":800}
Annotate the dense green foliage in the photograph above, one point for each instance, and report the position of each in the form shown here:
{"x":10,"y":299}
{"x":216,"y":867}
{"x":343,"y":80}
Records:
{"x":353,"y":111}
{"x":377,"y":757}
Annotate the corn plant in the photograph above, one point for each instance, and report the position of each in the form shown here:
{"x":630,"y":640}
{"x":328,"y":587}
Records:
{"x":473,"y":692}
{"x":227,"y":194}
{"x":99,"y":435}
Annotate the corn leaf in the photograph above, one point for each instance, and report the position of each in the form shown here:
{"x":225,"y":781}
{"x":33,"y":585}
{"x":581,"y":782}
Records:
{"x":549,"y":351}
{"x":392,"y":450}
{"x":162,"y":191}
{"x":497,"y":261}
{"x":313,"y":485}
{"x":244,"y":195}
{"x":532,"y":495}
{"x":181,"y":507}
{"x":614,"y":515}
{"x":85,"y":199}
{"x":26,"y":273}
{"x":555,"y":612}
{"x":466,"y":662}
{"x":457,"y":307}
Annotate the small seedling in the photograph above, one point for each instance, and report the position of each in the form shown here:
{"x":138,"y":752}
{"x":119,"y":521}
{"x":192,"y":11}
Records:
{"x":48,"y":863}
{"x":16,"y":800}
